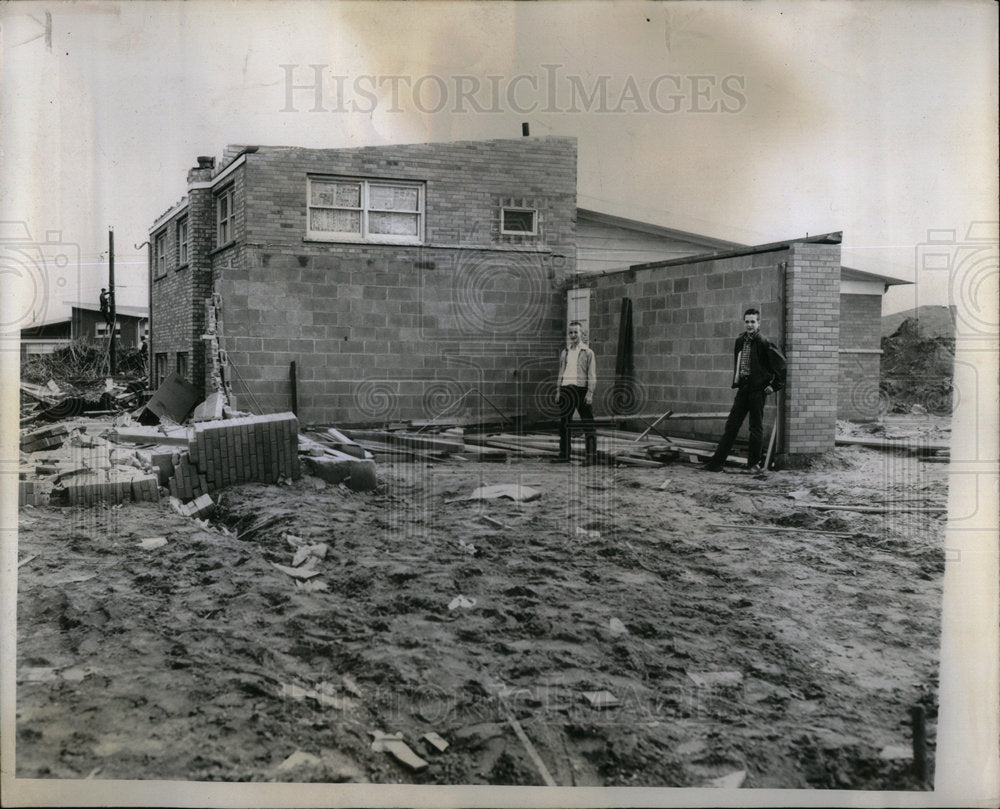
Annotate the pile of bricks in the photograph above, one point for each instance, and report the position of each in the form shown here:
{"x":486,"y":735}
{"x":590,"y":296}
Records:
{"x":44,"y":438}
{"x":86,"y":490}
{"x":232,"y":451}
{"x":28,"y":493}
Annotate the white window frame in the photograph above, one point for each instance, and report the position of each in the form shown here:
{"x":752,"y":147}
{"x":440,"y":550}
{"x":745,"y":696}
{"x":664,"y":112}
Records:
{"x":225,"y":226}
{"x":364,"y":210}
{"x":101,"y":330}
{"x":183,"y":233}
{"x":160,"y":254}
{"x":514,"y":208}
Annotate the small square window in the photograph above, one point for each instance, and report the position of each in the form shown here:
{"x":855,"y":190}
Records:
{"x":518,"y":221}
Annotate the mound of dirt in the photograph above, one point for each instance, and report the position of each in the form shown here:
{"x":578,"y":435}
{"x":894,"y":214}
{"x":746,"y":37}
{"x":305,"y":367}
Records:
{"x":917,"y":370}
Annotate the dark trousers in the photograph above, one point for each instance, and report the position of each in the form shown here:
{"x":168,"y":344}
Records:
{"x":574,"y":398}
{"x":747,"y":402}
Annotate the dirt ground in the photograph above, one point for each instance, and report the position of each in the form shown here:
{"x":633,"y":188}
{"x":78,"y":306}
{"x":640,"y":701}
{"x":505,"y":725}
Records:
{"x":790,"y":656}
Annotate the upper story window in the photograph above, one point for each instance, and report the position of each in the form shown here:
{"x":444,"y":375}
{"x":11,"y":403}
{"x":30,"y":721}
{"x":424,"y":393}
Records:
{"x":182,"y":242}
{"x":225,"y":207}
{"x":518,"y":221}
{"x":159,"y":254}
{"x":365,"y":210}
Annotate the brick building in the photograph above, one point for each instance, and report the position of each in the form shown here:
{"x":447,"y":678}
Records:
{"x":397,"y":279}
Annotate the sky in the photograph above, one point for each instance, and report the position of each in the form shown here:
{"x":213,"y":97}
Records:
{"x":752,"y":122}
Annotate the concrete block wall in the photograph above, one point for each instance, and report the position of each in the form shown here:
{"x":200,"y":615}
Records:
{"x":812,"y":342}
{"x":388,"y":332}
{"x":685,"y":319}
{"x":860,"y":357}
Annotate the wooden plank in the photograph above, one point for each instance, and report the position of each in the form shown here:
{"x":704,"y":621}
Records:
{"x":779,"y":528}
{"x":877,"y":509}
{"x":406,"y":440}
{"x":912,"y":445}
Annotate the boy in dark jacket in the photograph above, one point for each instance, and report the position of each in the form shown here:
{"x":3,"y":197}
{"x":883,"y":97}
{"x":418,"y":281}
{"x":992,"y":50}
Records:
{"x":758,"y":370}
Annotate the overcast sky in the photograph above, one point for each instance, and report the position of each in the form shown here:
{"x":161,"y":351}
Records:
{"x":746,"y":121}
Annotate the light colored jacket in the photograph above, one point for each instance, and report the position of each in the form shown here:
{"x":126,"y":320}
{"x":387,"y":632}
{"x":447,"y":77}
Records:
{"x":586,"y":366}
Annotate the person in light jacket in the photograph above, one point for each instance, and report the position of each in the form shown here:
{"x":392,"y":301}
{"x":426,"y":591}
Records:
{"x":758,"y":371}
{"x":577,"y":380}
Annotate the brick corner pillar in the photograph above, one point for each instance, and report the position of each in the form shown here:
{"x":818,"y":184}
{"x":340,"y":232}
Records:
{"x":812,"y":342}
{"x":201,"y":232}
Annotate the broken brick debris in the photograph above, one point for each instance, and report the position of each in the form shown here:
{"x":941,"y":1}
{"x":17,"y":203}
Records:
{"x":44,"y":438}
{"x":214,"y":454}
{"x":160,"y":458}
{"x":110,"y":487}
{"x":201,"y":506}
{"x":27,"y":493}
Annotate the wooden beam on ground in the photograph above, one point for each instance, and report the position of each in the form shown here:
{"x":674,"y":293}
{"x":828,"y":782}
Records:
{"x":779,"y":528}
{"x":911,"y":445}
{"x":406,"y":440}
{"x":877,"y":509}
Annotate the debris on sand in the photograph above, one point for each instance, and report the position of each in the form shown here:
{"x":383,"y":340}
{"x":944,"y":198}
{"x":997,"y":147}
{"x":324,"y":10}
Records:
{"x":601,"y":700}
{"x":512,"y":491}
{"x":398,"y":749}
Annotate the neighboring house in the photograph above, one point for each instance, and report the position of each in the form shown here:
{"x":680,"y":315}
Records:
{"x":131,"y":324}
{"x":85,"y":322}
{"x":390,"y":281}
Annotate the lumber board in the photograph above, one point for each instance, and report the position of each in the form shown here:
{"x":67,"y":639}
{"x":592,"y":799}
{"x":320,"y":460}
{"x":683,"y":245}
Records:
{"x":877,"y":509}
{"x":912,"y":445}
{"x":421,"y":442}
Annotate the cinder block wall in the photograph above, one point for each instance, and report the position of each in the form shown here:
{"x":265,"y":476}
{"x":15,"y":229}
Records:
{"x":685,"y":317}
{"x":812,"y":340}
{"x":386,"y":332}
{"x":860,"y":357}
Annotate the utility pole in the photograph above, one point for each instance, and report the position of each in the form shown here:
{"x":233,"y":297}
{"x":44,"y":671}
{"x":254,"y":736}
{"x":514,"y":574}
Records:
{"x":112,"y":354}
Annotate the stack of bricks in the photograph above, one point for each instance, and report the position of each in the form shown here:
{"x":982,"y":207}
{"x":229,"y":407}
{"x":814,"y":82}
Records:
{"x":44,"y":438}
{"x":87,"y":490}
{"x":240,"y":450}
{"x":27,"y":493}
{"x":186,"y":482}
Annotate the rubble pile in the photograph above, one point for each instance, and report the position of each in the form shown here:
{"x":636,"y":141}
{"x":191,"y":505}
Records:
{"x":81,"y":361}
{"x":73,"y":463}
{"x":211,"y":455}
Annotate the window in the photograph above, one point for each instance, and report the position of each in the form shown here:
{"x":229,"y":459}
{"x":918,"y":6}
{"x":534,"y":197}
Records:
{"x":159,"y":369}
{"x":182,"y":242}
{"x":365,"y":210}
{"x":101,"y":330}
{"x":159,"y":254}
{"x":182,"y":364}
{"x":226,"y":209}
{"x":518,"y":221}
